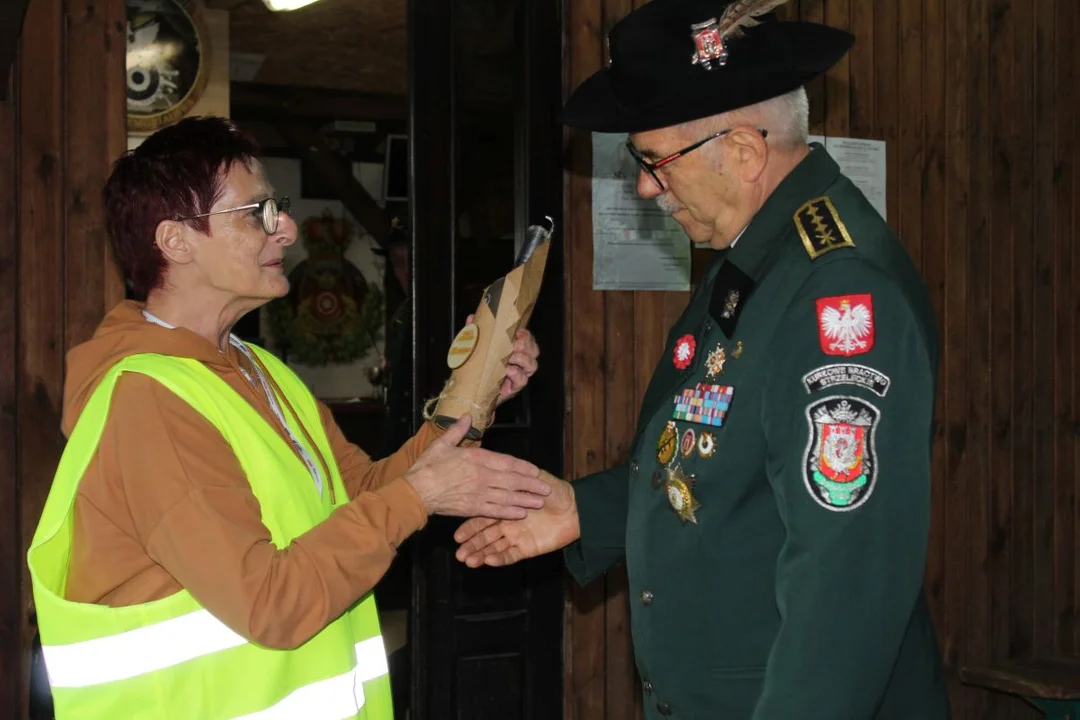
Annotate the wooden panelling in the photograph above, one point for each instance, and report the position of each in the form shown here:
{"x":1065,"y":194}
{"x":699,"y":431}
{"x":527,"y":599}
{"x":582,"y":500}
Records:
{"x":40,"y":329}
{"x":61,"y":126}
{"x":976,"y":100}
{"x":10,"y":541}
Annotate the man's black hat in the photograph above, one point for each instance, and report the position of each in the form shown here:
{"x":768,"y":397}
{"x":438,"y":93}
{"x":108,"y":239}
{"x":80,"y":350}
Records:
{"x":673,"y":61}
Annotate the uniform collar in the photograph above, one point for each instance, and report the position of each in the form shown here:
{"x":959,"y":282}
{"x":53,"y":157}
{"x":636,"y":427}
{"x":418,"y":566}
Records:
{"x":760,"y":242}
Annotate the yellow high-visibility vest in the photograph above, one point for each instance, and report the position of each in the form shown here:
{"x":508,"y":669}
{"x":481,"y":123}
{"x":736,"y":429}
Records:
{"x":172,"y":658}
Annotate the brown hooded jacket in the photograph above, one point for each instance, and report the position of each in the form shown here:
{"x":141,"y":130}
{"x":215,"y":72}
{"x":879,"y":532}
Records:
{"x":165,"y":505}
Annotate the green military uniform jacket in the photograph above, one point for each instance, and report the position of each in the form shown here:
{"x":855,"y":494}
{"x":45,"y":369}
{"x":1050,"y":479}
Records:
{"x":774,"y":511}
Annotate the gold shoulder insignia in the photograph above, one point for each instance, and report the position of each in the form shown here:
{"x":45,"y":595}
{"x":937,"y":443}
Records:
{"x":820,"y":228}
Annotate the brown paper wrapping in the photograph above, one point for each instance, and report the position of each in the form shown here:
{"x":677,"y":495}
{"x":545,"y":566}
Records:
{"x":506,"y":307}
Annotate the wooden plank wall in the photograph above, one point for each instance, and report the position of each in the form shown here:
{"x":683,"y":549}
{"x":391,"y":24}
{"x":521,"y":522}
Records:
{"x":976,"y":100}
{"x":60,"y":127}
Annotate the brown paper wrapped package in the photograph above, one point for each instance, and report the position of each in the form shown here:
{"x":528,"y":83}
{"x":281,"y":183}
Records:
{"x":506,"y":307}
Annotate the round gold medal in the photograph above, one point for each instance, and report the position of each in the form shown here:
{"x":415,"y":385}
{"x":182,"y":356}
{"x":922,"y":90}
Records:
{"x":462,"y":347}
{"x":666,"y":444}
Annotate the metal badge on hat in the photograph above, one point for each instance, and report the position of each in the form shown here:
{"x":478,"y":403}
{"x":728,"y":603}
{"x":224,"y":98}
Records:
{"x":711,"y":36}
{"x":710,"y":46}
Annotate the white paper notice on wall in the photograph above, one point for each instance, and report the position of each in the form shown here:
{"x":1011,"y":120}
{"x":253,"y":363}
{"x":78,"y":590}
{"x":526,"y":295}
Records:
{"x":636,"y":245}
{"x":863,"y":162}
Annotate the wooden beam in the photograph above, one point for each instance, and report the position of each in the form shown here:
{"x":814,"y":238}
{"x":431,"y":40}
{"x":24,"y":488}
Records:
{"x":12,"y":13}
{"x":257,"y":101}
{"x":312,"y":147}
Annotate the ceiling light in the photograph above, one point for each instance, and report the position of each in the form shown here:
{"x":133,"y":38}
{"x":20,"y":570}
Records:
{"x":280,"y":5}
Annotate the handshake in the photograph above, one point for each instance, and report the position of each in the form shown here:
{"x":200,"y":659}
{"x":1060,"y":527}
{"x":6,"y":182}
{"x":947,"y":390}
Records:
{"x":517,"y":511}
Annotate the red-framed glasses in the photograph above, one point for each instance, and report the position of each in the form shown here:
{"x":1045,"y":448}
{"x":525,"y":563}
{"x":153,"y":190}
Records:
{"x":652,"y":167}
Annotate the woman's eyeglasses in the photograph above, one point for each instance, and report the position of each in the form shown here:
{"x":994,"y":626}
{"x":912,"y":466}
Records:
{"x":269,"y":211}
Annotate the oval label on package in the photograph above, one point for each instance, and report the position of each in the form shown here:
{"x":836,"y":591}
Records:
{"x":462,"y":347}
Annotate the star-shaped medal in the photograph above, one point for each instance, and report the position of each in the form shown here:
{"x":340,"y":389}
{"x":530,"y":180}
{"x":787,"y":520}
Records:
{"x":679,"y":489}
{"x":714,"y":363}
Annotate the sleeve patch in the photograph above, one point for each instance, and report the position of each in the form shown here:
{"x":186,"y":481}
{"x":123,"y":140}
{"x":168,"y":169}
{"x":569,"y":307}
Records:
{"x":820,"y":228}
{"x":840,"y":466}
{"x":828,"y":376}
{"x":846,"y":324}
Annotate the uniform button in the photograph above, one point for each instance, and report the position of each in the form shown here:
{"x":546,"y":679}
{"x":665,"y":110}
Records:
{"x":633,"y":468}
{"x":657,"y":479}
{"x":664,"y":708}
{"x":647,"y":687}
{"x":646,"y":597}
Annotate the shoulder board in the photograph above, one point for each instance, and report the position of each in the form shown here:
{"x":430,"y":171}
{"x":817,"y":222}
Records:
{"x":820,"y":228}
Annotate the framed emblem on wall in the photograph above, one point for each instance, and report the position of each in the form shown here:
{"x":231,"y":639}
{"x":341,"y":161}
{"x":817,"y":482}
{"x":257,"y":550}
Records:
{"x":168,"y":62}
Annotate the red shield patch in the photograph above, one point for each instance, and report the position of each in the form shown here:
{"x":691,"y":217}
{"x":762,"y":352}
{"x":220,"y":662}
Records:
{"x":841,"y":452}
{"x":846,"y":324}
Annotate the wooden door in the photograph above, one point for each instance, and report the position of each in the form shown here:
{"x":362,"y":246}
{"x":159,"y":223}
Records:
{"x":485,"y":163}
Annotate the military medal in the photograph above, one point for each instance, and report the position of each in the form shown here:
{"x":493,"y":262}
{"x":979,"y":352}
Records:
{"x":706,"y":445}
{"x":680,"y":496}
{"x":665,"y":444}
{"x":686,"y":445}
{"x":684,"y":351}
{"x":709,"y":44}
{"x":714,"y":363}
{"x":738,"y":350}
{"x":704,"y":403}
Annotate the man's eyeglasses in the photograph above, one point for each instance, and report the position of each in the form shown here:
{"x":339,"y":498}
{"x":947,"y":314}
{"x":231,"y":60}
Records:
{"x":268,"y":211}
{"x":652,"y":167}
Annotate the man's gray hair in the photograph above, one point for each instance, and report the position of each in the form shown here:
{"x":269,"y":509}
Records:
{"x":786,"y":118}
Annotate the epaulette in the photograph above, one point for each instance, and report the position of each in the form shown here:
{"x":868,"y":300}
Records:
{"x":820,"y":228}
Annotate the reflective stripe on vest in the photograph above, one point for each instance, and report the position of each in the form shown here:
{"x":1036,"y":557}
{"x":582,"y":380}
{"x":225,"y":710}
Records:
{"x":172,"y":658}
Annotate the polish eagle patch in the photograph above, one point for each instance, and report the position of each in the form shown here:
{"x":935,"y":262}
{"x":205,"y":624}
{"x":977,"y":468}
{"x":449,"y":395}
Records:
{"x":846,"y":324}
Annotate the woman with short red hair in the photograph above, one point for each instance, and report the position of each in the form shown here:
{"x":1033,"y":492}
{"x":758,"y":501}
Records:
{"x":211,"y":540}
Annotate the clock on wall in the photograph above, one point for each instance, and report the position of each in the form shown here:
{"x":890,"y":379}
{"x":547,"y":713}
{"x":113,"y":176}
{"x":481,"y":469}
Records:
{"x":168,"y":62}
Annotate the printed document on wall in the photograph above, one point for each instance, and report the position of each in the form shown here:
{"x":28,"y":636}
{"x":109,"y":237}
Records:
{"x":636,"y":245}
{"x":863,"y":161}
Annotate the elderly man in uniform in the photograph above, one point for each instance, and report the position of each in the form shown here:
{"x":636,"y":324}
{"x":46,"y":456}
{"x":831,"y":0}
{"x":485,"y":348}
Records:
{"x":774,"y":509}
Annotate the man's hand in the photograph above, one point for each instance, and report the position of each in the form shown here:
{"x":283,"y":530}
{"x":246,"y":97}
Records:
{"x":521,"y":365}
{"x":468,"y":482}
{"x":485,"y":541}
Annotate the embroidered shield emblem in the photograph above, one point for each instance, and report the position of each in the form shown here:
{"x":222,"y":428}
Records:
{"x":840,"y":465}
{"x":846,"y":324}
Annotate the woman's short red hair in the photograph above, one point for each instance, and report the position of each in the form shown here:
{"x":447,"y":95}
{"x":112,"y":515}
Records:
{"x":176,"y":172}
